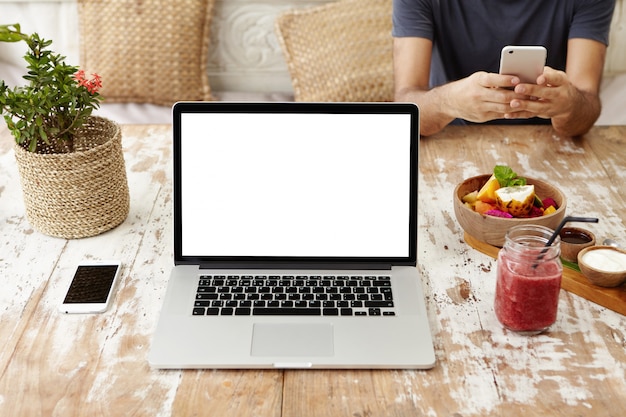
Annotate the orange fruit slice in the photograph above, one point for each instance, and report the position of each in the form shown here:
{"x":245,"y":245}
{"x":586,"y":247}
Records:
{"x":549,"y":210}
{"x":487,"y":193}
{"x":481,"y":207}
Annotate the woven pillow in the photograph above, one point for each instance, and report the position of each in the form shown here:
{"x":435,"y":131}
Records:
{"x":151,"y":51}
{"x":340,"y":51}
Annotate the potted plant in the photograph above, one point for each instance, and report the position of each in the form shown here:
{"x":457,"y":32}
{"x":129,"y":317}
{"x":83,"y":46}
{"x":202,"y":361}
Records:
{"x":70,"y":162}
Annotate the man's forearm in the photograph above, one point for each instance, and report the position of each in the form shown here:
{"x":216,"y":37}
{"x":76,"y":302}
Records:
{"x":431,"y":103}
{"x":585,"y":111}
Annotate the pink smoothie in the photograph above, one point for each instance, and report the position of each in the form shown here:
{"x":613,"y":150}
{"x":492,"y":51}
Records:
{"x":526,"y":297}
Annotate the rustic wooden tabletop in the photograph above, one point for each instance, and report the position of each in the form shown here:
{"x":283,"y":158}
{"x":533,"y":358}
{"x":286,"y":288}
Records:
{"x":95,"y":365}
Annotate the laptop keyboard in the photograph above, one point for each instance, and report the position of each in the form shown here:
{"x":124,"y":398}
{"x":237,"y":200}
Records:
{"x":274,"y":295}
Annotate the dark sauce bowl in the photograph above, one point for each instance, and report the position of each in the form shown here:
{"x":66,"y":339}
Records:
{"x":573,"y":240}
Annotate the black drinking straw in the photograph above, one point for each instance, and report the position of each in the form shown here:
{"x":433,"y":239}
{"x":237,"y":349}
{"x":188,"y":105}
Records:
{"x":566,"y":219}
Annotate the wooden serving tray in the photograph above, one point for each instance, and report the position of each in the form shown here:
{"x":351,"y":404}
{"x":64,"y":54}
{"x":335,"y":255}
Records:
{"x":572,"y":281}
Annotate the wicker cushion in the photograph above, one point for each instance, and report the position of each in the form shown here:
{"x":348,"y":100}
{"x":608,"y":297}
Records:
{"x":153,"y":51}
{"x":339,"y":51}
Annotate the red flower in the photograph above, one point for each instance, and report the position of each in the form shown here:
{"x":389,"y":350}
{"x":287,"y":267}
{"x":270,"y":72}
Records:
{"x":92,"y":85}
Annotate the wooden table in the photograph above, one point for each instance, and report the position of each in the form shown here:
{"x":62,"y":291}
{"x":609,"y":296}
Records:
{"x":90,"y":365}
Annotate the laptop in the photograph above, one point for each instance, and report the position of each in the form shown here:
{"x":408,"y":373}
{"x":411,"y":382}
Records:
{"x":295,"y":238}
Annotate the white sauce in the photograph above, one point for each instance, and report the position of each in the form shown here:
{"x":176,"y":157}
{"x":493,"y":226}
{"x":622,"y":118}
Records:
{"x":606,"y":260}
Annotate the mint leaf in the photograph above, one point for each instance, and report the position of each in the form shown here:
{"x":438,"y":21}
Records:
{"x":506,"y":177}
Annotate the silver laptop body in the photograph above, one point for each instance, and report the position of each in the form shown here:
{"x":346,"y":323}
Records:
{"x":294,"y":195}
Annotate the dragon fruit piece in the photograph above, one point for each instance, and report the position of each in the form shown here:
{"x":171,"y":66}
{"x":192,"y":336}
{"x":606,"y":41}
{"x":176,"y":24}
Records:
{"x":499,"y":213}
{"x":535,"y":212}
{"x":547,"y":202}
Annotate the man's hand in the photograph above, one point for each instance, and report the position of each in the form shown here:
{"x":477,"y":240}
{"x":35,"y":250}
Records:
{"x":483,"y":96}
{"x":570,"y":99}
{"x":552,"y":96}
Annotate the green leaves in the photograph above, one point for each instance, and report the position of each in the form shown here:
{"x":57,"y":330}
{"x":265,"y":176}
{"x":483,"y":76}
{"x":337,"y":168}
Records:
{"x":50,"y":108}
{"x":506,"y":177}
{"x":12,"y":33}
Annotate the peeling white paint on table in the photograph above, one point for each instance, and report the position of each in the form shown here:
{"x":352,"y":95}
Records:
{"x":53,"y":364}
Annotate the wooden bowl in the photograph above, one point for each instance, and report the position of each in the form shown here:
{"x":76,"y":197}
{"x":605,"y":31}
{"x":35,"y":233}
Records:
{"x":491,"y":229}
{"x":573,"y":240}
{"x":602,"y":271}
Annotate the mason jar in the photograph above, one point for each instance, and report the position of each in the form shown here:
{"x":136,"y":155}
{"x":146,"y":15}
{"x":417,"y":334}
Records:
{"x":528,"y":279}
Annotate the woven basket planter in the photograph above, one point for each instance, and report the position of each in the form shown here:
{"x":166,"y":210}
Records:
{"x":81,"y":193}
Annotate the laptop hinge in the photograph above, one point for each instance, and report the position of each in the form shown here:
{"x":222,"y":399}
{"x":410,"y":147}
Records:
{"x":297,"y":265}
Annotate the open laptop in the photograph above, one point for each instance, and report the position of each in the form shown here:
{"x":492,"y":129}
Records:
{"x":295,"y":238}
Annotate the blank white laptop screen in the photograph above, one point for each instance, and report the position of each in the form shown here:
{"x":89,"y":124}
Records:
{"x":295,"y":185}
{"x":293,"y":190}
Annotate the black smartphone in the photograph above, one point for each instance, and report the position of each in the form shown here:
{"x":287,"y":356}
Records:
{"x":91,"y":288}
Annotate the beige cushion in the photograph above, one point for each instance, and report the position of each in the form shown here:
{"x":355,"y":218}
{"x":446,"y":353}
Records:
{"x":153,"y":51}
{"x":339,"y":51}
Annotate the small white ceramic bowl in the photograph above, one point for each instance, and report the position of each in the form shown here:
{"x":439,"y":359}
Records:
{"x":603,"y":265}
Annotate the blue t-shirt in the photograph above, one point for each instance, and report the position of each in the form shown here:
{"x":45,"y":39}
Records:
{"x":468,"y":35}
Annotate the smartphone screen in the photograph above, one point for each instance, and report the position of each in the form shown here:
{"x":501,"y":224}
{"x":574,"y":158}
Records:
{"x":91,"y":288}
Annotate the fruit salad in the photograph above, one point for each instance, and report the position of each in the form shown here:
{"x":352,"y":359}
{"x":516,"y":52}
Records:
{"x":507,"y":195}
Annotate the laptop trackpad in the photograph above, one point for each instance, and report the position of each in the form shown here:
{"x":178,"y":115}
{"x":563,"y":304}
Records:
{"x":292,"y":339}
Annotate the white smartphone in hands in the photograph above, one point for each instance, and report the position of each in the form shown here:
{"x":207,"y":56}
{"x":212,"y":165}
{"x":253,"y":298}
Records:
{"x":91,"y":288}
{"x":526,"y":62}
